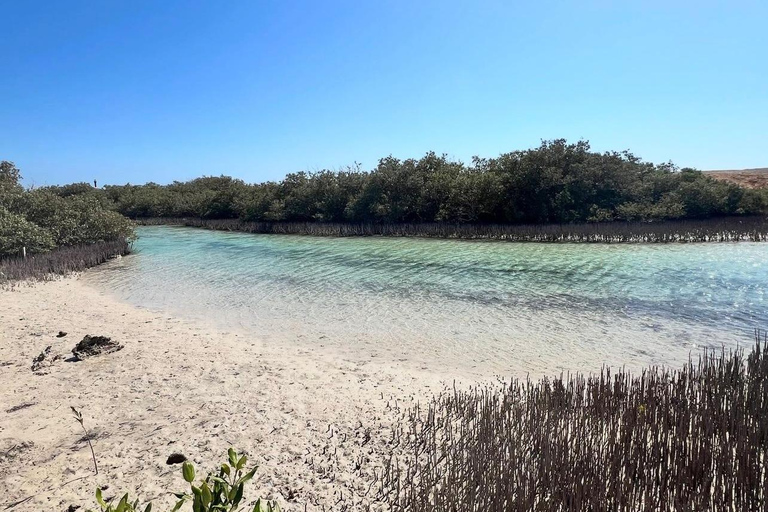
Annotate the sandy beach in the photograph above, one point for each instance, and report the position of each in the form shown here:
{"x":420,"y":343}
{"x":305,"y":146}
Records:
{"x":314,"y":423}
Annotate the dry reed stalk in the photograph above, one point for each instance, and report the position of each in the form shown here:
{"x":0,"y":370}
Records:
{"x":60,"y":261}
{"x":726,"y":229}
{"x":692,"y":439}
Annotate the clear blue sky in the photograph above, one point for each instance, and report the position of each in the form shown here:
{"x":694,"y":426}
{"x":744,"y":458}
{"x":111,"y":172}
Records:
{"x":134,"y":91}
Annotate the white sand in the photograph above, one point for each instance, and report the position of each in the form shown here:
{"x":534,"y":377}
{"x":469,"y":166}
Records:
{"x":178,"y":387}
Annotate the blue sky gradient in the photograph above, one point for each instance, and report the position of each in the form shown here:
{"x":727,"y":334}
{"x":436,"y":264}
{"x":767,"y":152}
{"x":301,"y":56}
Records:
{"x":138,"y":91}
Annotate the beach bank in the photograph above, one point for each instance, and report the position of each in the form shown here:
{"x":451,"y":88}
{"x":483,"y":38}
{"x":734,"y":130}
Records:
{"x":314,"y":423}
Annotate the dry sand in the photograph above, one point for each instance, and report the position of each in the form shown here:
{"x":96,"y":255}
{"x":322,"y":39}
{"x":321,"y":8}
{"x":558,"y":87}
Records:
{"x":314,"y":423}
{"x":748,"y":178}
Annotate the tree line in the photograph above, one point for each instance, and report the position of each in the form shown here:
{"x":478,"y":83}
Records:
{"x":556,"y":182}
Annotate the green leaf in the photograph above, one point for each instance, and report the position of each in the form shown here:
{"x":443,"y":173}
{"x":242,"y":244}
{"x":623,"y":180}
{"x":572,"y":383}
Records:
{"x":123,"y":505}
{"x":238,"y":495}
{"x":178,"y":505}
{"x":232,"y":456}
{"x":248,"y":475}
{"x":257,"y":507}
{"x":149,"y":508}
{"x":241,"y":462}
{"x":188,"y":470}
{"x":100,"y":499}
{"x":225,"y":469}
{"x":206,"y":494}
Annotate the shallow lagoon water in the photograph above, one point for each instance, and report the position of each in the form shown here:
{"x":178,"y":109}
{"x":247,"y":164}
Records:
{"x":453,"y":306}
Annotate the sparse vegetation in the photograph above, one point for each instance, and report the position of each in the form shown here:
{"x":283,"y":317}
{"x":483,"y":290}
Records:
{"x":60,"y":261}
{"x":672,"y":440}
{"x":79,"y":418}
{"x":690,"y":439}
{"x":220,"y":492}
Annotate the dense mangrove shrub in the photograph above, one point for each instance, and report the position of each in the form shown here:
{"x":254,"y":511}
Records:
{"x":37,"y":221}
{"x":556,"y":182}
{"x":17,"y":233}
{"x":690,"y":439}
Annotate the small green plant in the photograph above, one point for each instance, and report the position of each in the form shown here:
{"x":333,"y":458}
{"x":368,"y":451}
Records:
{"x":221,"y":492}
{"x":122,"y":506}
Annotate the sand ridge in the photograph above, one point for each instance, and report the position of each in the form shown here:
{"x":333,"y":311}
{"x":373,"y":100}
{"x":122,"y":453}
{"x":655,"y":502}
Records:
{"x":314,"y":423}
{"x":748,"y":178}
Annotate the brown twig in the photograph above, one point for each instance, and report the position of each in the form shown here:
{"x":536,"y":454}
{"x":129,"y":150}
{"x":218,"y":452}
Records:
{"x":79,"y":418}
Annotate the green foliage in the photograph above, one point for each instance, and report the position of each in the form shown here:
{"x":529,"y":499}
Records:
{"x":73,"y":189}
{"x":556,"y":182}
{"x":76,"y":219}
{"x":9,"y":174}
{"x":42,"y":219}
{"x":17,"y":233}
{"x":11,"y":191}
{"x":219,"y":492}
{"x":123,"y":505}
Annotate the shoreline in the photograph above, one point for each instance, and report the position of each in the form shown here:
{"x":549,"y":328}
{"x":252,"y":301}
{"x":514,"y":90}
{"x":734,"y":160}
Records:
{"x":182,"y":386}
{"x":713,"y":230}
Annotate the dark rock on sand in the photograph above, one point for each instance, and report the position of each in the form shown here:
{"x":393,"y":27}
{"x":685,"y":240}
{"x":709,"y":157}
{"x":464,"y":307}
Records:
{"x":61,"y":334}
{"x":93,"y":346}
{"x":175,"y":458}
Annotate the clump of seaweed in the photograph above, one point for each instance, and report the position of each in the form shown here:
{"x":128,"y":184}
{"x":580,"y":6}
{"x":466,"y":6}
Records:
{"x":60,"y":261}
{"x":689,"y":439}
{"x":91,"y":346}
{"x":723,"y":229}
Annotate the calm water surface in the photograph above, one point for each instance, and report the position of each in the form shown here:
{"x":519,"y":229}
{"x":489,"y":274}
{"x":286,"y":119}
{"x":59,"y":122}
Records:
{"x":475,"y":307}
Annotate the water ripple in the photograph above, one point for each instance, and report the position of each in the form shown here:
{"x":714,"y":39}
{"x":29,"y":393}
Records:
{"x":486,"y":306}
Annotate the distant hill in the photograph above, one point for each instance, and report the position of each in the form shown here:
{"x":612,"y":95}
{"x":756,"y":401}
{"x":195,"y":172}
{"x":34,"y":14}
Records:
{"x":749,"y":178}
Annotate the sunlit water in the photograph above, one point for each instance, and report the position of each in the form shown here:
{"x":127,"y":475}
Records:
{"x":462,"y":307}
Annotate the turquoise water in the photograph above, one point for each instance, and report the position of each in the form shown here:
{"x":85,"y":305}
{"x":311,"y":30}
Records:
{"x":474,"y":307}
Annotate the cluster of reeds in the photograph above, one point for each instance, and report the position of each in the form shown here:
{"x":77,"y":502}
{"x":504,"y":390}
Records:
{"x":686,"y":440}
{"x":60,"y":261}
{"x":725,"y":229}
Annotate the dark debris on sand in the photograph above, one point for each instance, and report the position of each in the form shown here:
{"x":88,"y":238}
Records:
{"x":93,"y":346}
